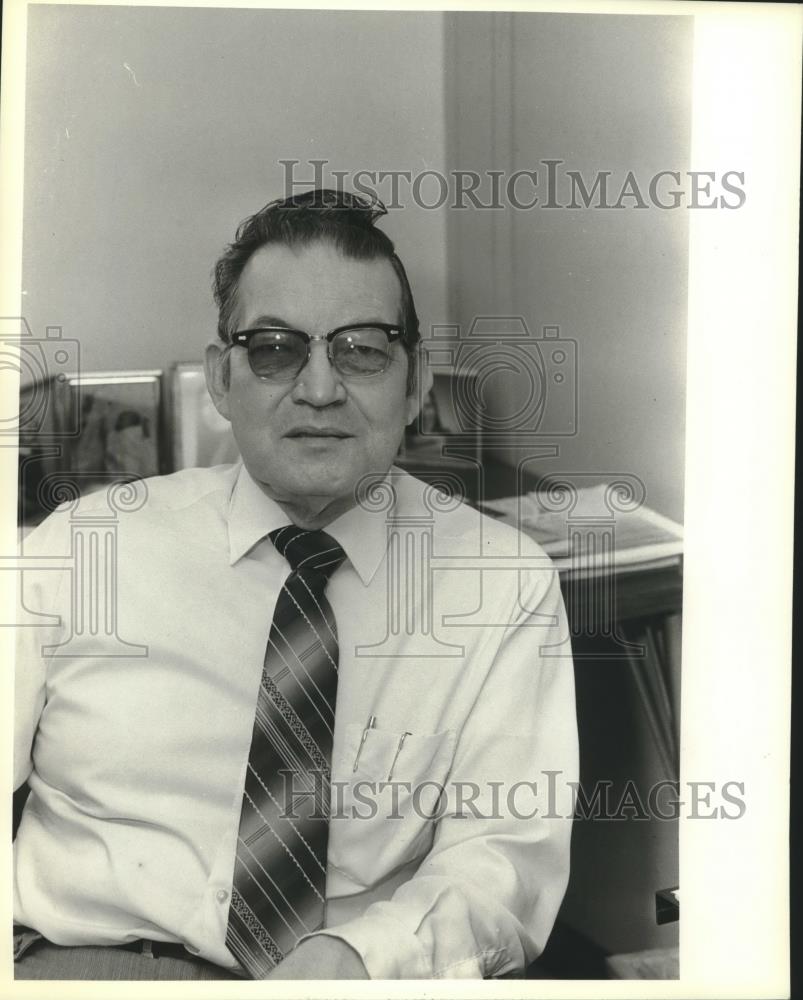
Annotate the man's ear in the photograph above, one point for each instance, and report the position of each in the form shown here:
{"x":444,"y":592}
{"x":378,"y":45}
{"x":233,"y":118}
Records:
{"x":422,"y":387}
{"x":216,"y":368}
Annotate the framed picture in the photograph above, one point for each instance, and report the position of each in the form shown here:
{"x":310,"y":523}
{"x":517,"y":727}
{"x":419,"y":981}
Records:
{"x":86,"y":431}
{"x":200,"y":436}
{"x":119,"y":424}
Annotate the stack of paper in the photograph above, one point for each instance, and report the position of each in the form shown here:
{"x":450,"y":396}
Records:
{"x":579,"y":538}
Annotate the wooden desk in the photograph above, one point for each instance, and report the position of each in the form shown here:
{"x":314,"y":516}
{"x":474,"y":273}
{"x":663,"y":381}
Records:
{"x":638,"y":623}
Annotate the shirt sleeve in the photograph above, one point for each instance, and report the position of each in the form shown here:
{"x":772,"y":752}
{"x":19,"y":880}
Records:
{"x":38,"y":626}
{"x":484,"y":899}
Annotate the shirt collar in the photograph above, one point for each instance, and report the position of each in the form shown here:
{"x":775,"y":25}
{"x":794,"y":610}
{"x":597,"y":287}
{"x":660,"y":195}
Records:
{"x":252,"y":515}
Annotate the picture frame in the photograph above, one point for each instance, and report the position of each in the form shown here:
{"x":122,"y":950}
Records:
{"x":88,"y":430}
{"x":200,"y":436}
{"x":118,"y":418}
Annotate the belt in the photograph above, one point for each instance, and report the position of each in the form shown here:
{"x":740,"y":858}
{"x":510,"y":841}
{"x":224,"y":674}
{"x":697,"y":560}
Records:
{"x":157,"y":949}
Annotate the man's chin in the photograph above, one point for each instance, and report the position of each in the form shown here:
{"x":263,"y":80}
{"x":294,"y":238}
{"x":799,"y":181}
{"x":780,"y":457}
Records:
{"x":318,"y":481}
{"x":311,"y":487}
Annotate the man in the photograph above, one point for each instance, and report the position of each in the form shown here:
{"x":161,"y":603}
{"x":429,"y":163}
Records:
{"x":347,"y":751}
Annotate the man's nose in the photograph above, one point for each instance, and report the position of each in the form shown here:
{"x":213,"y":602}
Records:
{"x":319,"y":383}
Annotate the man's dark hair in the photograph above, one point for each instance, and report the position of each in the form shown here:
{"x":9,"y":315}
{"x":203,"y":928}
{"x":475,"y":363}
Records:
{"x":345,"y":220}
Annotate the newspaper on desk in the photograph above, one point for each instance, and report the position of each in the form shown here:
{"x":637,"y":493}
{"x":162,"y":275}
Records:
{"x":642,"y":538}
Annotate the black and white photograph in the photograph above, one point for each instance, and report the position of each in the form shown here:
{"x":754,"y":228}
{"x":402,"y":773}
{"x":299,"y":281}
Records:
{"x":440,"y":647}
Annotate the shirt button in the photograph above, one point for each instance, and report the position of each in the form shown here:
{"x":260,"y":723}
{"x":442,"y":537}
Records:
{"x":221,"y":895}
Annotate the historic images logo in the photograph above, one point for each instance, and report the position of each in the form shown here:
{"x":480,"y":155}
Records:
{"x":550,"y":184}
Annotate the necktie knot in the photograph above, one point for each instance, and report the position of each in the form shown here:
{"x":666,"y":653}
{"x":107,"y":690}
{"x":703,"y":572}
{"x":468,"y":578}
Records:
{"x":308,"y":550}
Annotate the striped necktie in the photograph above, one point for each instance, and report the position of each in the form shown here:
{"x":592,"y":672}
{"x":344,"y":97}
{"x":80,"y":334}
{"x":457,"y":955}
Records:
{"x":280,"y":868}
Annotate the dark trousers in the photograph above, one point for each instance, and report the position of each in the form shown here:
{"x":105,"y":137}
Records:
{"x":37,"y":958}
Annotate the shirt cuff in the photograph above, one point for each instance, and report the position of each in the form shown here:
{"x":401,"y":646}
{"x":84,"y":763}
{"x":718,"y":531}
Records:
{"x":387,"y":949}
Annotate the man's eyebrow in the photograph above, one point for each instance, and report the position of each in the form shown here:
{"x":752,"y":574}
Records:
{"x":266,"y":320}
{"x":369,"y":321}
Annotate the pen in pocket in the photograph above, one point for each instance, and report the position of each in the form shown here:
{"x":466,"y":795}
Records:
{"x":398,"y":751}
{"x":369,"y":725}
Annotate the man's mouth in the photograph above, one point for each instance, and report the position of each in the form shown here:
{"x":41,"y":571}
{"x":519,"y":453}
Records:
{"x":317,"y":432}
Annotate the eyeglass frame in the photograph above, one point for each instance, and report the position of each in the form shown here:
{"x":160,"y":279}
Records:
{"x":241,"y":338}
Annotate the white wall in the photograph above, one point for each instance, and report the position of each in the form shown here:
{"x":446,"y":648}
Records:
{"x":151,"y":132}
{"x":600,"y":93}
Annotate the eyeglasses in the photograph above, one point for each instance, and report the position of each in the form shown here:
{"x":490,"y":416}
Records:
{"x":278,"y":354}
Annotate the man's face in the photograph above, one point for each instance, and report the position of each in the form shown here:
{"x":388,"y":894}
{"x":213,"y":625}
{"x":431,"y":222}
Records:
{"x":315,"y":437}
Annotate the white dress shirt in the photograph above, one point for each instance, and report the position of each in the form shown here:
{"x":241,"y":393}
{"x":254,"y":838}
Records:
{"x":136,"y":763}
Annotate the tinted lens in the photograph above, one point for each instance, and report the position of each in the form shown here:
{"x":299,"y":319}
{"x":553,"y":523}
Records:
{"x":277,"y":354}
{"x":361,"y":351}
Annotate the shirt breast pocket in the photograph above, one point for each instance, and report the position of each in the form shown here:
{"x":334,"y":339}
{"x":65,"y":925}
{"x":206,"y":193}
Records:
{"x":384,"y":812}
